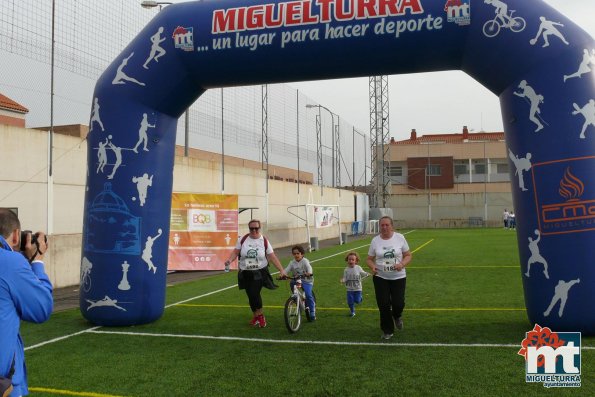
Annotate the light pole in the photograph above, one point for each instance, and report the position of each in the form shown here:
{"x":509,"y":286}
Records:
{"x":153,"y":4}
{"x":332,"y":135}
{"x":353,"y":157}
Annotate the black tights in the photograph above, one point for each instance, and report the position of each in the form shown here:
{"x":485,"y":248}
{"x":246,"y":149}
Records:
{"x":253,"y":286}
{"x":390,"y":298}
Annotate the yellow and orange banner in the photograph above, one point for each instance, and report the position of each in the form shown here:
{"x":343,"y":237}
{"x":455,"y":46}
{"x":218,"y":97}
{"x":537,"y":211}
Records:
{"x":203,"y":230}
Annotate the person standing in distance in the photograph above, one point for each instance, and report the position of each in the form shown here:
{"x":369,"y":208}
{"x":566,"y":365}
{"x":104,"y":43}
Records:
{"x":254,"y":253}
{"x":25,"y":294}
{"x":387,"y":258}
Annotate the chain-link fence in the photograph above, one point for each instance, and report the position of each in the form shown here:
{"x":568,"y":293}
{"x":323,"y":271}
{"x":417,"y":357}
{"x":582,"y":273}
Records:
{"x":89,"y":34}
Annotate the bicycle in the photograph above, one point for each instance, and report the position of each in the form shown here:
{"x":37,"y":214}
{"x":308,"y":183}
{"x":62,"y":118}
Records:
{"x":492,"y":28}
{"x":295,"y":305}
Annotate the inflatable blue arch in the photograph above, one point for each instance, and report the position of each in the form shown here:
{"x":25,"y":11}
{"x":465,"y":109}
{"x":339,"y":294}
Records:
{"x":537,"y":61}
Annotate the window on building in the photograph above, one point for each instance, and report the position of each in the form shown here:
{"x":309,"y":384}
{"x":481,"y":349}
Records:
{"x":480,"y":169}
{"x":395,"y":170}
{"x":461,"y":169}
{"x":502,"y":168}
{"x":434,"y":170}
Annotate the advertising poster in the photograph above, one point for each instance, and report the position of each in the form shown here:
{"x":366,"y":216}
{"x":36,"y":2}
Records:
{"x":323,"y":217}
{"x":203,"y":230}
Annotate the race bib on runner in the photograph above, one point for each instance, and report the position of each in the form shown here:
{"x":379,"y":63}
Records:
{"x":251,"y":264}
{"x":390,"y":264}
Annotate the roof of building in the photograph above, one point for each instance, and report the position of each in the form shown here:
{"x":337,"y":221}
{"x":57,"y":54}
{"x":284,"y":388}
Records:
{"x":463,"y":137}
{"x":9,"y":104}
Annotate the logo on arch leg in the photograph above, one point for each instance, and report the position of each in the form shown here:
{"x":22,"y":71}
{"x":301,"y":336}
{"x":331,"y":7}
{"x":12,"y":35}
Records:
{"x":565,"y":201}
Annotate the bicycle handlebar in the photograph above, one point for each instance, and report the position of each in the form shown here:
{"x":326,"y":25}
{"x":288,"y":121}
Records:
{"x":298,"y":277}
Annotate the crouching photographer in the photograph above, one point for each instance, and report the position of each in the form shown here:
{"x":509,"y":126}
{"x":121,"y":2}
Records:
{"x":25,"y":294}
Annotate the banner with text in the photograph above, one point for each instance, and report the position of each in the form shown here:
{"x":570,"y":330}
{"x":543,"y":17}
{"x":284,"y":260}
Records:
{"x":203,"y":230}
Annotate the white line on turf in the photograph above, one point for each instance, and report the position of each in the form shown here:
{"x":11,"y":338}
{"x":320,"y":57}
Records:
{"x":47,"y":342}
{"x":235,"y":285}
{"x":92,"y":329}
{"x":314,"y":342}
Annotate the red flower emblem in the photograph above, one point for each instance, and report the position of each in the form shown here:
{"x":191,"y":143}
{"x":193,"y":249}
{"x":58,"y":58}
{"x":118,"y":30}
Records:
{"x":539,"y":337}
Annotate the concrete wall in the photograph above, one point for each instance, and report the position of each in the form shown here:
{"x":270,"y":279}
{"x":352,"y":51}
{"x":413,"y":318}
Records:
{"x":24,"y":185}
{"x":448,"y":209}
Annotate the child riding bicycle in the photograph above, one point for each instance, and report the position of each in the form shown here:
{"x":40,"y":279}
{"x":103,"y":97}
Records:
{"x":300,"y":266}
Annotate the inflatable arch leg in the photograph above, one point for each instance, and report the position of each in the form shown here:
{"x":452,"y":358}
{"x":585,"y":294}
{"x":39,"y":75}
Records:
{"x":537,"y":61}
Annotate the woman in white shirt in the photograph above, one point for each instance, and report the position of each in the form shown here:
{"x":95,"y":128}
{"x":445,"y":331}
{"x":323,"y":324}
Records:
{"x":387,"y":258}
{"x":254,"y":253}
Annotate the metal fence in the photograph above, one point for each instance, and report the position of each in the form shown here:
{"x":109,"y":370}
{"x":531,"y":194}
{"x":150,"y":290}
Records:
{"x":89,"y":34}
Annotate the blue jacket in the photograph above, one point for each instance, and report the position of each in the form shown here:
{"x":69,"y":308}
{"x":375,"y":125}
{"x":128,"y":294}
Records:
{"x":25,"y":294}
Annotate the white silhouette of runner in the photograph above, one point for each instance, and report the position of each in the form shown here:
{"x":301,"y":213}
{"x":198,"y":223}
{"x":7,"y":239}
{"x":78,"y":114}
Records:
{"x":142,"y":184}
{"x":561,"y":294}
{"x":583,"y":68}
{"x":118,"y":152}
{"x":547,"y":28}
{"x":176,"y":239}
{"x":107,"y":301}
{"x":521,"y":164}
{"x":588,"y":112}
{"x":156,"y":50}
{"x":534,"y":100}
{"x":142,"y":134}
{"x":95,"y":115}
{"x":101,"y":156}
{"x":148,"y":251}
{"x":121,"y":77}
{"x":535,"y":255}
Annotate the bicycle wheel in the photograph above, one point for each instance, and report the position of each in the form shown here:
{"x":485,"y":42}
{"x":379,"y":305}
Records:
{"x":491,"y":28}
{"x":293,"y":317}
{"x":517,"y":24}
{"x":86,"y":284}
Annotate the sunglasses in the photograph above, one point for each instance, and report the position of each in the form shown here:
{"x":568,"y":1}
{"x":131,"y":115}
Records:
{"x":253,"y":229}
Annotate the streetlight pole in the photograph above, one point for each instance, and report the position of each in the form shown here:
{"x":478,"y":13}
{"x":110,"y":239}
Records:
{"x":353,"y":156}
{"x":153,"y":4}
{"x":332,"y":134}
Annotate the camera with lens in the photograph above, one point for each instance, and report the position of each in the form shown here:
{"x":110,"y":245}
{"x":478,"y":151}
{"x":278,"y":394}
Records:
{"x":34,"y":237}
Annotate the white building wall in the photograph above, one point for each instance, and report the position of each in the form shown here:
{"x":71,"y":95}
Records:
{"x":23,"y":185}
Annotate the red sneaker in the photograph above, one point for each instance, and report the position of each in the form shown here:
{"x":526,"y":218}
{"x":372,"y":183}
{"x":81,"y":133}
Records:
{"x":262,"y":322}
{"x":254,"y":322}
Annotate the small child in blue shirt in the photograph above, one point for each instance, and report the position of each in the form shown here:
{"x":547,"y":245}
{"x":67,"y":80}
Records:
{"x":352,"y":278}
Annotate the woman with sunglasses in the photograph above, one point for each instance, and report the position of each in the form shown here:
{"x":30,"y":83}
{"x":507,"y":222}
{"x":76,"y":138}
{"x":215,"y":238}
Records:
{"x":254,"y":253}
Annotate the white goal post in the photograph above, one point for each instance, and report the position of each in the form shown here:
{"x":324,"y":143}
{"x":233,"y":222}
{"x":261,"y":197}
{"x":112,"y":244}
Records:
{"x":321,"y":216}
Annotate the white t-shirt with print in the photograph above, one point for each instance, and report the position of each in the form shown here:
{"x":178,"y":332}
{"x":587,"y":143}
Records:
{"x":252,"y":254}
{"x":299,"y":269}
{"x":353,"y":277}
{"x":388,"y":254}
